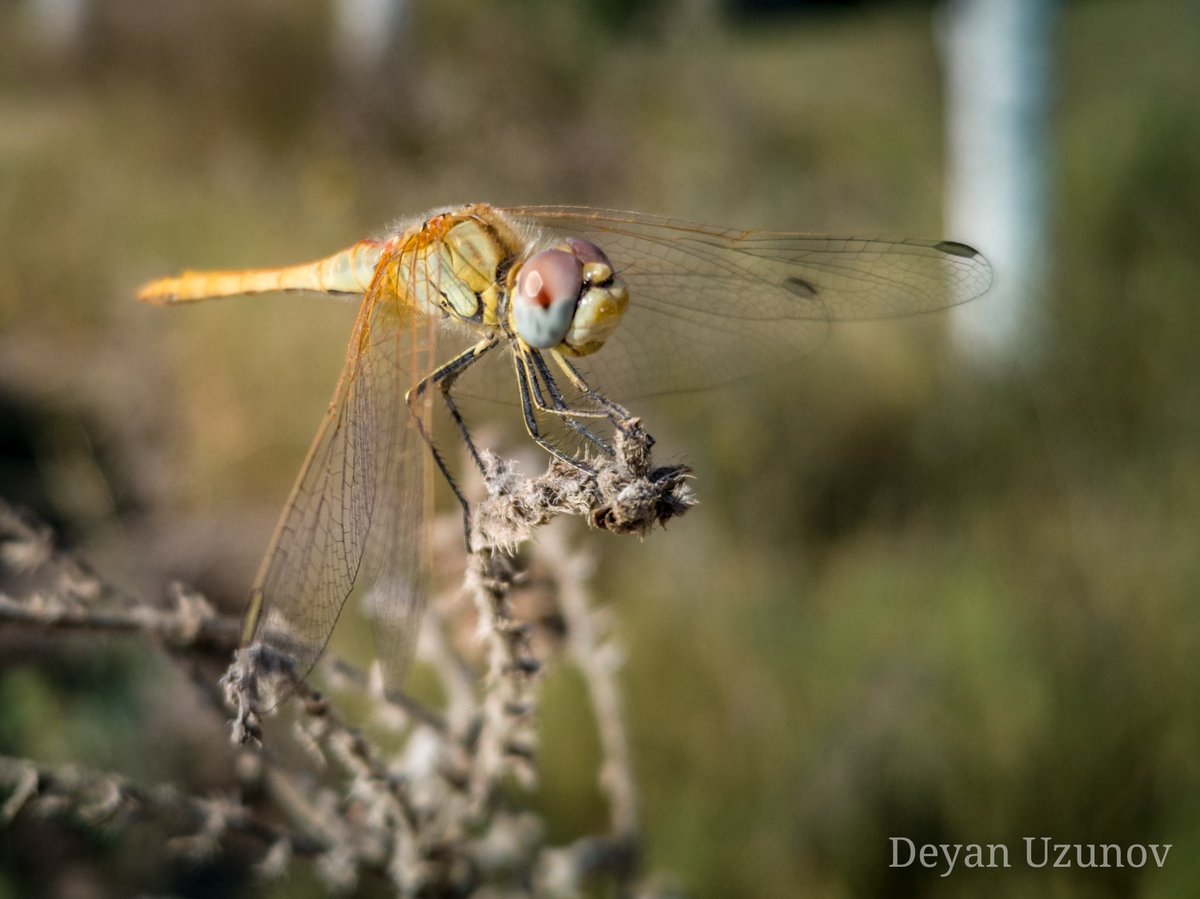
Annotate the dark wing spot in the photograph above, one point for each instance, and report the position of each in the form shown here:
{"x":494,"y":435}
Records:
{"x":953,"y":248}
{"x":801,"y":288}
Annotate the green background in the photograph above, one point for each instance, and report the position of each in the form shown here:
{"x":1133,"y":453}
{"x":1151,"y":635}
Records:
{"x":920,"y":598}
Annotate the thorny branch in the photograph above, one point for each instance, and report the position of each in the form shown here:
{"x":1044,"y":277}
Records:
{"x":104,"y":799}
{"x":434,"y":817}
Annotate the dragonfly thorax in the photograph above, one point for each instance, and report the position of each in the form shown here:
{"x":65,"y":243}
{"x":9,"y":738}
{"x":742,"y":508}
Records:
{"x":454,"y":263}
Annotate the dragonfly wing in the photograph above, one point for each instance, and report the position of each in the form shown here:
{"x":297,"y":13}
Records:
{"x":356,"y":516}
{"x":710,"y":306}
{"x":396,"y":561}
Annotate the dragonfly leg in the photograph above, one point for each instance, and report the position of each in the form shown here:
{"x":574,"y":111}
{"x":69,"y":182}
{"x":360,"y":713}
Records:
{"x":558,"y":405}
{"x":531,"y":399}
{"x":537,"y":372}
{"x":618,"y":415}
{"x":607,"y":409}
{"x":444,"y":377}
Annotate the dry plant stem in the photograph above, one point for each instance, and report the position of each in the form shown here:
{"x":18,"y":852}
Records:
{"x":452,"y":834}
{"x":63,"y":594}
{"x":431,"y":819}
{"x":191,"y":624}
{"x":507,"y":740}
{"x":563,"y":871}
{"x":27,"y":547}
{"x":385,"y":832}
{"x":625,"y":495}
{"x":598,"y":658}
{"x":104,"y":799}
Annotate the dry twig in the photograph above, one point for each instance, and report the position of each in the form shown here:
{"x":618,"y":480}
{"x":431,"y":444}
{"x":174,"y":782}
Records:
{"x":434,"y":817}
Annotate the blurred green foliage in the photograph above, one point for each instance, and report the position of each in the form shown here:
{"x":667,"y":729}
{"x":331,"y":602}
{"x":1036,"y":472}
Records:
{"x":919,"y":599}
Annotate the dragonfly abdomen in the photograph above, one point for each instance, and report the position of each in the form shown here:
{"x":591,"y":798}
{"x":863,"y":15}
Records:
{"x":350,"y":271}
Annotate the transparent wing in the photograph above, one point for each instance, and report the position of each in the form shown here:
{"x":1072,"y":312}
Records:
{"x":356,"y":516}
{"x":710,"y":305}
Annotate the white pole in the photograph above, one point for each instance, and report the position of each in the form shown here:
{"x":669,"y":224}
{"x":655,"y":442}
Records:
{"x":364,"y":31}
{"x":57,"y":24}
{"x":999,"y":83}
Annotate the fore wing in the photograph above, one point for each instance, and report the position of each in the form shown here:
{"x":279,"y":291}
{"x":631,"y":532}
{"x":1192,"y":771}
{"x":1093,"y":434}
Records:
{"x":710,"y":306}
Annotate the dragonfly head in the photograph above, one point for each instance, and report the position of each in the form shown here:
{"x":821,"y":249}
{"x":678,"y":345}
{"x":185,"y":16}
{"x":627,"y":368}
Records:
{"x":568,"y":298}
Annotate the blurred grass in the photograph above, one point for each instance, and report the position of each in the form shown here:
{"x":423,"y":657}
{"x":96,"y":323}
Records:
{"x":917,"y":600}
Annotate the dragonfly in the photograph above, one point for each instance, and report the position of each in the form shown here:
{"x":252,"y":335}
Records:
{"x":586,"y":305}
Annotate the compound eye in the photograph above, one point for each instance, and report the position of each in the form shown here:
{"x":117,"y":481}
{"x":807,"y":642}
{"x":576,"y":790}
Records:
{"x":546,"y":294}
{"x":588,"y":253}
